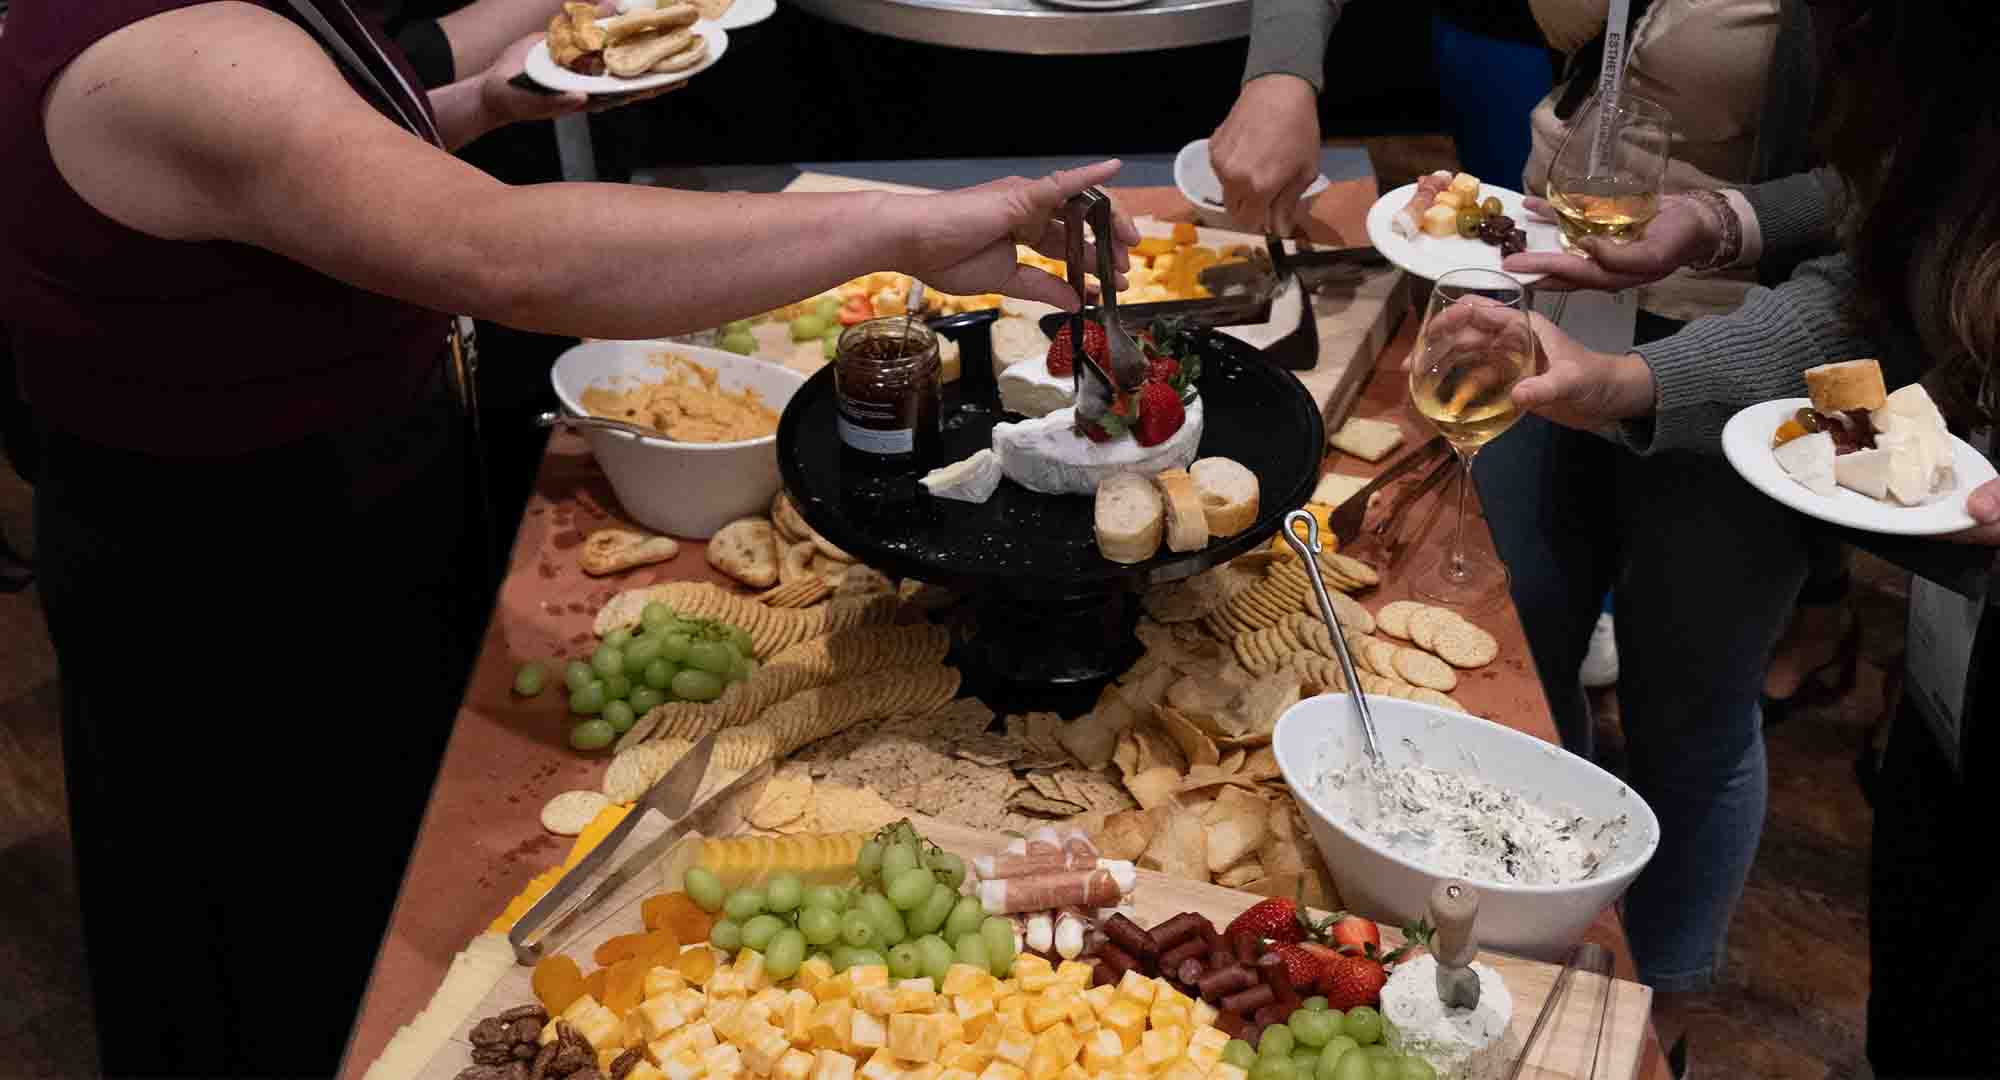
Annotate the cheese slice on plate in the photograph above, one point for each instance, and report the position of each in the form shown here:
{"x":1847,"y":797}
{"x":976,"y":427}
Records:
{"x":973,"y":480}
{"x":1027,"y":388}
{"x":1809,"y":459}
{"x":1047,"y":454}
{"x":1865,"y":471}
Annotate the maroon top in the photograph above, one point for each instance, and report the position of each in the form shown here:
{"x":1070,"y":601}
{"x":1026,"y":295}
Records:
{"x":171,"y":347}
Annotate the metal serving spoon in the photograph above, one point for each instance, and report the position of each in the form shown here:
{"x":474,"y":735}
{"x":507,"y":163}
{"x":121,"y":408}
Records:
{"x":553,"y":418}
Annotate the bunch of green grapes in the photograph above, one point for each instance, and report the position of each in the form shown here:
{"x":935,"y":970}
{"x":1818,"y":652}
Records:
{"x":821,"y":323}
{"x":905,"y":914}
{"x":669,"y":658}
{"x":1318,"y":1043}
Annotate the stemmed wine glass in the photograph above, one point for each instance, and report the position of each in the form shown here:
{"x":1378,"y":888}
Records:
{"x":1605,"y":179}
{"x":1476,"y":343}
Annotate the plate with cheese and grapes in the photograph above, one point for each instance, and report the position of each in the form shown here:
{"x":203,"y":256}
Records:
{"x":1447,"y":222}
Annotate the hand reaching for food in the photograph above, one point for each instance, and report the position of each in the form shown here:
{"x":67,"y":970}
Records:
{"x":1682,"y":235}
{"x":1266,"y":153}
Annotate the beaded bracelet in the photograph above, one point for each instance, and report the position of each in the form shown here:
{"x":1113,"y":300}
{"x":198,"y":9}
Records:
{"x":1731,"y":245}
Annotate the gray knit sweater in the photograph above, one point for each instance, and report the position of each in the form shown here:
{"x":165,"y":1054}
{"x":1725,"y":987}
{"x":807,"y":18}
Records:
{"x":1289,"y":37}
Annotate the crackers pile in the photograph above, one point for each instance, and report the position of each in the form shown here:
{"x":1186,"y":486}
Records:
{"x":770,"y":629}
{"x":795,"y":566}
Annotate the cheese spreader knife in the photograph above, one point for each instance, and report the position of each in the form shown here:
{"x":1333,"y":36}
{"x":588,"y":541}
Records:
{"x":1454,"y":905}
{"x":673,"y":795}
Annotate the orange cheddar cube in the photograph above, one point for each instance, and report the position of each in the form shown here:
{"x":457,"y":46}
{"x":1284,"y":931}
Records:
{"x":1080,"y":1015}
{"x":867,"y":975}
{"x":915,"y":1037}
{"x":1158,"y":1049}
{"x":1000,"y":1070}
{"x":1074,"y":972}
{"x":1137,"y":987}
{"x":881,"y":1065}
{"x":1127,"y":1019}
{"x":832,"y":1065}
{"x":867,"y":1033}
{"x":838,"y":986}
{"x":1014,"y":1047}
{"x":1044,"y":1013}
{"x":1222,"y":1070}
{"x":1102,"y":1051}
{"x":964,"y":979}
{"x":812,"y":971}
{"x":795,"y":1065}
{"x":1204,"y":1047}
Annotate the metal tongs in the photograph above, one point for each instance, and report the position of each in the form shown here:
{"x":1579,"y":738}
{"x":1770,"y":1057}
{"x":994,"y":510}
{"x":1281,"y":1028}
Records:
{"x":1586,"y":956}
{"x":1308,"y":549}
{"x":1096,"y":388}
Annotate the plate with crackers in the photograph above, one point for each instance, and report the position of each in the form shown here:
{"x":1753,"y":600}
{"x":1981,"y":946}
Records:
{"x":626,"y":54}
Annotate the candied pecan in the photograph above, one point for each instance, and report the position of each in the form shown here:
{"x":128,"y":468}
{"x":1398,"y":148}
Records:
{"x":517,"y":1071}
{"x":625,"y":1063}
{"x":524,"y":1051}
{"x":492,"y":1055}
{"x":491,"y":1031}
{"x":540,"y":1069}
{"x":569,"y":1036}
{"x":530,"y":1011}
{"x":481,"y":1072}
{"x":588,"y":1072}
{"x":569,"y":1060}
{"x":527,"y":1029}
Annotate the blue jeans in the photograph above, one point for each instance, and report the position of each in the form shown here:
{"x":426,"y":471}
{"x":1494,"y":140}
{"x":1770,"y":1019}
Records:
{"x":1705,"y":570}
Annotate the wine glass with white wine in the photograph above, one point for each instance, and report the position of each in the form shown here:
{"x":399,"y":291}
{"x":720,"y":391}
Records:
{"x":1605,"y":179}
{"x":1476,"y":343}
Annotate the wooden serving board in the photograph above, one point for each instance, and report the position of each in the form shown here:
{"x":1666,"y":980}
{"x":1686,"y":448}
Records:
{"x":1563,"y":1054}
{"x":1354,"y":323}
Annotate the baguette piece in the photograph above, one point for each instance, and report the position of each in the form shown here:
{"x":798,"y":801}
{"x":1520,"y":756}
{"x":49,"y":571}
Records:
{"x":1850,"y":384}
{"x":640,"y":23}
{"x":1129,"y":518}
{"x":1228,"y":494}
{"x":1187,"y":522}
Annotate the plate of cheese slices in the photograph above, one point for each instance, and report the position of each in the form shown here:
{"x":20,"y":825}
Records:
{"x":1854,"y":454}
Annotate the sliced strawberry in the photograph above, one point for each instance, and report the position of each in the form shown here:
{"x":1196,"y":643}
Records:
{"x":1160,"y":414}
{"x":1062,"y":354}
{"x":1350,"y":982}
{"x":1354,"y":934}
{"x":1162,"y":368}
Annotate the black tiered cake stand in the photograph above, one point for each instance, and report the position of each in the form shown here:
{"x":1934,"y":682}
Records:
{"x":1046,"y":621}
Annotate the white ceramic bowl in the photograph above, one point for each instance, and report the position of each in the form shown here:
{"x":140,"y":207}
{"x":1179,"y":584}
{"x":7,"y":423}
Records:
{"x":1322,"y":734}
{"x":680,"y":488}
{"x":1194,"y":175}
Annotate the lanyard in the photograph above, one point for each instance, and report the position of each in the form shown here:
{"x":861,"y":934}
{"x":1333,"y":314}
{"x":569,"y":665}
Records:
{"x":1610,"y":76}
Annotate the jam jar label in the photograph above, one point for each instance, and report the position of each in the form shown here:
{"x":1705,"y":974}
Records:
{"x":873,"y":427}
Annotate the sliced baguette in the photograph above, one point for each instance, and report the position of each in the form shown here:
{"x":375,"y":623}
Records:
{"x":1187,"y":522}
{"x":1129,"y":518}
{"x":1850,"y":384}
{"x":1228,"y":494}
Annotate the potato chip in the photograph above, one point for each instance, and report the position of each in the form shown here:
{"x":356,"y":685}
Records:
{"x":1235,"y":824}
{"x":1179,"y":847}
{"x":1242,"y":873}
{"x":568,"y":813}
{"x":1155,"y":786}
{"x":1197,"y":746}
{"x":1127,"y":834}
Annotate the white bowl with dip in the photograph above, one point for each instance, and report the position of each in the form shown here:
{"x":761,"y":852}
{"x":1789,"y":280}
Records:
{"x":1323,"y":734}
{"x":686,"y":489}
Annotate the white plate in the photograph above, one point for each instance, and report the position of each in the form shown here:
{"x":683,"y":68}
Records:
{"x":1746,"y":440}
{"x":1194,"y":174}
{"x":1095,"y":5}
{"x":1434,"y":256}
{"x":544,"y":70}
{"x":744,"y":13}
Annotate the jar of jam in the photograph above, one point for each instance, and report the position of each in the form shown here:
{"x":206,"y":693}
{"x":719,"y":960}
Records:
{"x":888,"y":389}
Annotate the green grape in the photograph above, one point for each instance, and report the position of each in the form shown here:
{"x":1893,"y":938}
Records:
{"x":868,"y":861}
{"x":783,"y":892}
{"x":807,"y":327}
{"x":760,"y":929}
{"x":899,"y":859}
{"x":704,"y":888}
{"x":950,"y":869}
{"x":1239,"y":1053}
{"x":726,"y":935}
{"x":829,"y":347}
{"x":659,"y":675}
{"x":934,"y":957}
{"x":904,"y":963}
{"x":619,"y":715}
{"x":617,"y":688}
{"x":743,"y":904}
{"x":1330,"y":1055}
{"x":888,"y":921}
{"x":1305,"y":1060}
{"x":733,"y":326}
{"x":1363,"y":1024}
{"x":1388,"y":1069}
{"x":1312,"y":1028}
{"x":692,"y":685}
{"x":1314,"y":1003}
{"x":1277,"y":1042}
{"x":617,"y":638}
{"x":739,"y":639}
{"x":819,"y":925}
{"x":966,"y":915}
{"x":833,"y":332}
{"x":577,"y":675}
{"x":714,"y":657}
{"x":607,"y":661}
{"x":1339,"y":1022}
{"x":930,"y":915}
{"x":847,"y":956}
{"x":646,"y":698}
{"x":828,"y":307}
{"x":674,"y":646}
{"x":1416,"y":1068}
{"x":594,"y":734}
{"x":655,"y":616}
{"x":530,"y":679}
{"x":1378,"y":1052}
{"x":588,"y":701}
{"x":640,"y":653}
{"x":1354,"y":1066}
{"x":999,"y":935}
{"x":831,"y":897}
{"x":857,"y":928}
{"x":972,"y":950}
{"x":910,"y":888}
{"x":742,"y":343}
{"x":784,"y":955}
{"x":1274,"y":1066}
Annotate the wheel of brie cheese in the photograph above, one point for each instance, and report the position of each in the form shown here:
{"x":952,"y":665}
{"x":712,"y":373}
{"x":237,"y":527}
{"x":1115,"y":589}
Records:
{"x":1461,"y":1044}
{"x":1028,"y":388}
{"x":1048,"y":455}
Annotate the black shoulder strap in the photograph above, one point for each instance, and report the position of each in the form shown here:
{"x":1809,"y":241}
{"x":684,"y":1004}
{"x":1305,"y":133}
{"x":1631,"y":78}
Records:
{"x":357,"y":52}
{"x":1579,"y":76}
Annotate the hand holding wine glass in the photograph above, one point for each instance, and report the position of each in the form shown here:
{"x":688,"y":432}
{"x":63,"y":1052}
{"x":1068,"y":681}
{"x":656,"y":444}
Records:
{"x":1606,"y":178}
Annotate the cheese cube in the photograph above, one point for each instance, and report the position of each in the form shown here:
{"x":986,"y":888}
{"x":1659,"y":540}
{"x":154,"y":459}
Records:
{"x":660,"y":1015}
{"x":867,"y":975}
{"x":965,"y":1056}
{"x":1073,"y":1072}
{"x":964,"y":979}
{"x":971,"y":1010}
{"x":839,"y":986}
{"x":1184,"y":1069}
{"x":926,"y":984}
{"x":1127,"y":1019}
{"x":1035,"y":981}
{"x":1137,"y":987}
{"x":1222,"y":1070}
{"x":1044,"y":1013}
{"x":1100,"y":998}
{"x":1000,"y":1070}
{"x":795,"y":1065}
{"x":764,"y":1050}
{"x":1013,"y":1013}
{"x":908,"y":997}
{"x":915,"y":1036}
{"x":1059,"y":1042}
{"x":682,"y":1066}
{"x":1030,"y":964}
{"x":1157,"y":1050}
{"x":867,"y":1032}
{"x":1205,"y":1046}
{"x":722,"y":1062}
{"x":644,"y":1070}
{"x":1169,"y":1014}
{"x":927,"y":1071}
{"x":958,"y":1074}
{"x":799,"y":1007}
{"x":597,"y":1024}
{"x":1007,"y":987}
{"x":881,"y":1065}
{"x":812,"y":971}
{"x":1164,"y":992}
{"x":755,"y":1013}
{"x":1075,"y":972}
{"x":831,"y":1024}
{"x":726,"y":983}
{"x":988,"y":1041}
{"x":1102,"y":1051}
{"x":834,"y":1065}
{"x":664,"y":980}
{"x":1014,"y":1047}
{"x":876,"y":1000}
{"x":1202,"y":1014}
{"x":771,"y":1000}
{"x":750,"y":966}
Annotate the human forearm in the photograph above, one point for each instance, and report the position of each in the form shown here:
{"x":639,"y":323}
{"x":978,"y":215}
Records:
{"x":461,"y":112}
{"x":1288,"y":37}
{"x":1797,"y":216}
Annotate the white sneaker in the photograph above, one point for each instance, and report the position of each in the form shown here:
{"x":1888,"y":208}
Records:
{"x":1600,"y":661}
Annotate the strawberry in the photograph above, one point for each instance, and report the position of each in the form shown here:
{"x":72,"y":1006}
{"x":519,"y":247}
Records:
{"x":1354,"y":934}
{"x":1160,"y":414}
{"x":1352,"y":981}
{"x":1306,"y":962}
{"x":1162,"y":368}
{"x":1062,"y":354}
{"x":1276,"y":919}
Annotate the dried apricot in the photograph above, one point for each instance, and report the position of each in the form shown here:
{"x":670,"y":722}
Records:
{"x":696,"y":965}
{"x":557,"y":982}
{"x":662,"y":947}
{"x":676,"y":911}
{"x":619,"y":948}
{"x":626,"y":985}
{"x":593,"y":984}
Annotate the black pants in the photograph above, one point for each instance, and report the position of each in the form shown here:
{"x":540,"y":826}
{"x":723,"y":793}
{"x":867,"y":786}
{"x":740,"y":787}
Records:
{"x":261,"y":659}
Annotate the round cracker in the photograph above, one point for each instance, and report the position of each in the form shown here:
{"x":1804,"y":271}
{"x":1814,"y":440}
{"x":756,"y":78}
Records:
{"x":1425,"y":696}
{"x":572,"y":811}
{"x":1352,"y":568}
{"x":1425,"y":624}
{"x":786,"y":518}
{"x":1464,"y":645}
{"x":1423,"y":669}
{"x":1393,"y":618}
{"x":1381,"y":658}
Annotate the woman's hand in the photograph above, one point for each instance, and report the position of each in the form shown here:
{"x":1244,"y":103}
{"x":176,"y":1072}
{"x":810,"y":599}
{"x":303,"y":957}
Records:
{"x":1681,"y":235}
{"x":503,"y":103}
{"x":963,"y":241}
{"x":1581,"y":388}
{"x":1266,"y":153}
{"x":1984,"y":506}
